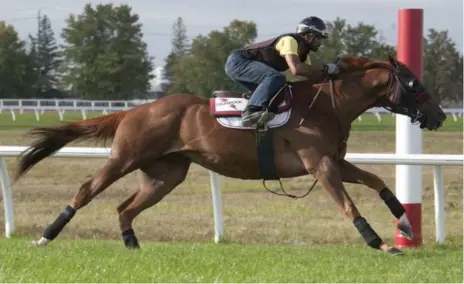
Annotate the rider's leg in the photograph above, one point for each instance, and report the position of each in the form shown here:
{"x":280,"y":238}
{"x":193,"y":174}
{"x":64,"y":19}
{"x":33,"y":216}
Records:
{"x":269,"y":81}
{"x":233,"y":69}
{"x":259,"y":101}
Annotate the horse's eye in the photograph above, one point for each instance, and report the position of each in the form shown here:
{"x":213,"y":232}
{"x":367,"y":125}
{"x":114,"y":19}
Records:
{"x":413,"y":84}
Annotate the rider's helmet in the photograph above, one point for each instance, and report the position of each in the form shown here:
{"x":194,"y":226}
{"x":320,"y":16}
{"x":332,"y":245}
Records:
{"x":312,"y":25}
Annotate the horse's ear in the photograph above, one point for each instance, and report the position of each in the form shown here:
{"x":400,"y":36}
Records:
{"x":393,"y":61}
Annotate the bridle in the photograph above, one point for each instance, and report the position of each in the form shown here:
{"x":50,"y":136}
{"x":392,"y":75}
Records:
{"x":403,"y":101}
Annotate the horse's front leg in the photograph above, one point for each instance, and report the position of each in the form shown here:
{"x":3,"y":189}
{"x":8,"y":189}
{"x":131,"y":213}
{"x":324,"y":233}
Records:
{"x":352,"y":174}
{"x":328,"y":174}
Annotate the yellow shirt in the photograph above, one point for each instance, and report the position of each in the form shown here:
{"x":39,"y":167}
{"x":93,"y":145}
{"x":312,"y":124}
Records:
{"x":289,"y":45}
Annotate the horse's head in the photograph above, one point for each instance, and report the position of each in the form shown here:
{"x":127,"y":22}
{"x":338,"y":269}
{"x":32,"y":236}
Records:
{"x":399,"y":90}
{"x":409,"y":97}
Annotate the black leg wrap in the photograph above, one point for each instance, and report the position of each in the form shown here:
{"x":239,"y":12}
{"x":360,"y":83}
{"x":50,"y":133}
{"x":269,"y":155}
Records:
{"x":368,"y":234}
{"x":55,"y":228}
{"x":392,"y":202}
{"x":130,"y":240}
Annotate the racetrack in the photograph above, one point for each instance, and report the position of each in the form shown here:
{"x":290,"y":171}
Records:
{"x":260,"y":225}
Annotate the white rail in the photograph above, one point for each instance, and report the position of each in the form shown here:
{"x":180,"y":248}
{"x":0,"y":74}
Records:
{"x":61,"y":106}
{"x":437,"y":161}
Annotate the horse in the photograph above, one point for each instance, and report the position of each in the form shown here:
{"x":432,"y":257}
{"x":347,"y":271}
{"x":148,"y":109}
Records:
{"x":307,"y":136}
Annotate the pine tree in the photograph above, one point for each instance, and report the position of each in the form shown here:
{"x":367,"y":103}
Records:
{"x":45,"y":53}
{"x":180,"y":47}
{"x":105,"y":53}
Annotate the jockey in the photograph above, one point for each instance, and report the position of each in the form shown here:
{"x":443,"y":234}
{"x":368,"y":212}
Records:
{"x":259,"y":67}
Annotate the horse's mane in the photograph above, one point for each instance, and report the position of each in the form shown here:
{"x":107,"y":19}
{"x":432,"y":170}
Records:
{"x":350,"y":64}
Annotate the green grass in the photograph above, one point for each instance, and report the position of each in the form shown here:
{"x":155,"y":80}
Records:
{"x":368,"y":123}
{"x":108,"y":261}
{"x":28,"y":119}
{"x":259,"y":229}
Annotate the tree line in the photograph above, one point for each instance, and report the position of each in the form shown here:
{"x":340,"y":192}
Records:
{"x":103,"y":56}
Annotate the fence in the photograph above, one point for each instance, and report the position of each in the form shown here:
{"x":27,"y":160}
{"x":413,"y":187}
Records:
{"x":437,"y":161}
{"x":61,"y":106}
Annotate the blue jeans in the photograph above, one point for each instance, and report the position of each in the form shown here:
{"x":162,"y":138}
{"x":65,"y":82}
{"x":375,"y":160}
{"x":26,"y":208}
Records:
{"x":254,"y":75}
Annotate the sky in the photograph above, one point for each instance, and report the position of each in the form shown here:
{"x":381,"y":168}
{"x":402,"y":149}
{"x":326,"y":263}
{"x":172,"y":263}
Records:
{"x":272,"y":17}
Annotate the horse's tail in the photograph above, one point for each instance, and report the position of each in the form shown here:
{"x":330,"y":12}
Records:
{"x":51,"y":139}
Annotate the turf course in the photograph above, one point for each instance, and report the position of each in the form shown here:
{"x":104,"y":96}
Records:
{"x":107,"y":261}
{"x":269,"y":239}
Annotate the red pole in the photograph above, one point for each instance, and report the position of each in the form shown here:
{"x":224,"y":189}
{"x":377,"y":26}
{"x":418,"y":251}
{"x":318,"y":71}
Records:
{"x":409,"y":137}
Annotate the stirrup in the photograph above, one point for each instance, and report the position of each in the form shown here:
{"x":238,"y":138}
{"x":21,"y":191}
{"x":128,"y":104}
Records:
{"x":263,"y":122}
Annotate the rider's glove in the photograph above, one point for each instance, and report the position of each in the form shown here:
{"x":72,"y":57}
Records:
{"x":331,"y":68}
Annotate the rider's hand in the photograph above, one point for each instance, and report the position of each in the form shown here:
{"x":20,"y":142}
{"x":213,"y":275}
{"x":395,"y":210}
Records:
{"x":331,"y":68}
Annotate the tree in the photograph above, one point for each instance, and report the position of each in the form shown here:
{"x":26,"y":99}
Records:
{"x":105,"y":55}
{"x":332,"y":46}
{"x":180,"y":46}
{"x":45,"y":53}
{"x":360,"y":40}
{"x":16,"y":66}
{"x":202,"y":69}
{"x":442,"y":67}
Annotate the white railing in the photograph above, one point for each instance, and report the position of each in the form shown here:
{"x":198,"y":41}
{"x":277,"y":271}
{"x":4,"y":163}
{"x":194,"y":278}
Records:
{"x":68,"y":104}
{"x":437,"y":161}
{"x":61,"y":106}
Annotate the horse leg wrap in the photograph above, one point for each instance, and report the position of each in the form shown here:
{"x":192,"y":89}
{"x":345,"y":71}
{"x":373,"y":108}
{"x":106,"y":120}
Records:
{"x":55,"y":228}
{"x":368,"y":234}
{"x":392,"y":202}
{"x":130,"y":240}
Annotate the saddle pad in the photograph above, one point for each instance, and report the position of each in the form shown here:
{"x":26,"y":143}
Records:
{"x":221,"y":106}
{"x":236,"y":122}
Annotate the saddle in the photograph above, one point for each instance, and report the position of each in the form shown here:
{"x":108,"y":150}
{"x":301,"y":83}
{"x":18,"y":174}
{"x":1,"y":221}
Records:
{"x":227,"y":107}
{"x":231,"y":94}
{"x":224,"y":103}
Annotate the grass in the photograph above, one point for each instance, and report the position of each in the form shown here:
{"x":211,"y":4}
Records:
{"x":28,"y":119}
{"x":106,"y":261}
{"x":270,"y":238}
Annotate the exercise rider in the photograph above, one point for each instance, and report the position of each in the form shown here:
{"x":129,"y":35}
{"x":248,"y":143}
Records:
{"x":259,"y":67}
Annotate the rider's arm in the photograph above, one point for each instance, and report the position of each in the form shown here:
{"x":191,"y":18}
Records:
{"x":302,"y":69}
{"x":288,"y":48}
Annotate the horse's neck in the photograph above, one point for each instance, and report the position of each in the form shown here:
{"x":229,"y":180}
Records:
{"x":348,"y":105}
{"x":353,"y":98}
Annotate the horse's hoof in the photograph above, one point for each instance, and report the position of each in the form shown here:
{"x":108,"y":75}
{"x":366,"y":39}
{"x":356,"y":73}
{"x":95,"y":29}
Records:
{"x":132,"y":243}
{"x":405,"y":231}
{"x":43,"y":242}
{"x":36,"y":244}
{"x":394,"y":252}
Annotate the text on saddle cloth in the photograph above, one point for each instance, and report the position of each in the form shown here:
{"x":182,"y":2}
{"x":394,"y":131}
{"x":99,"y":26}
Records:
{"x":228,"y":112}
{"x":231,"y":107}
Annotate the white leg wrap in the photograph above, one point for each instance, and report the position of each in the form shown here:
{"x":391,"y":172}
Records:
{"x":41,"y":243}
{"x":404,"y":219}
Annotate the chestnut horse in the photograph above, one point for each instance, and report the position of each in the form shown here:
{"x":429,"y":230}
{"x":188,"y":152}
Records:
{"x":309,"y":134}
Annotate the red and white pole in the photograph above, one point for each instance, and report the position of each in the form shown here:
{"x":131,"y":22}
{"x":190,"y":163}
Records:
{"x":408,"y":136}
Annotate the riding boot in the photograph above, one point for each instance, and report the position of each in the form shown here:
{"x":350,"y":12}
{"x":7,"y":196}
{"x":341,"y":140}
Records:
{"x":256,"y":115}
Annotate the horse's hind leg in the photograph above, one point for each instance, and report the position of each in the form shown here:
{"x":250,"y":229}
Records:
{"x":158,"y":179}
{"x":328,"y":173}
{"x":117,"y":166}
{"x":352,"y":174}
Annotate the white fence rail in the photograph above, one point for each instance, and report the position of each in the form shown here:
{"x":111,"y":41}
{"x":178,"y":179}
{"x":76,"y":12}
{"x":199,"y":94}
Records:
{"x":437,"y":161}
{"x":61,"y":106}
